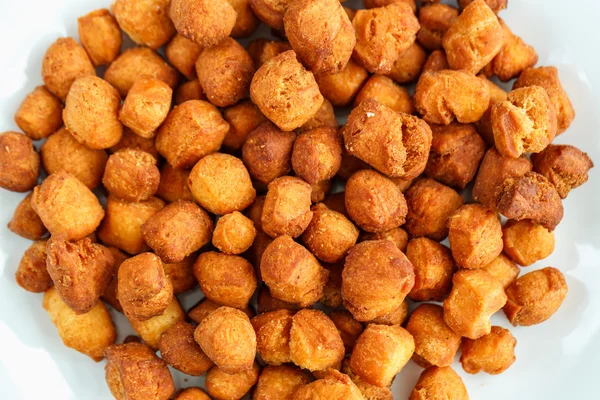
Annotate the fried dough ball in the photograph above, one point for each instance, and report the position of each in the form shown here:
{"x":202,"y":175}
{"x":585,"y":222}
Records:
{"x":325,"y":117}
{"x":525,"y":122}
{"x":566,"y":167}
{"x":146,"y":106}
{"x":178,"y":230}
{"x":192,"y":130}
{"x":66,"y":206}
{"x":321,"y":33}
{"x":439,"y":384}
{"x":19,"y":162}
{"x":203,"y":22}
{"x":273,"y":336}
{"x":525,"y":242}
{"x":146,"y":22}
{"x":376,"y":278}
{"x":228,"y":339}
{"x":436,"y":61}
{"x":292,"y":273}
{"x":192,"y":393}
{"x":206,"y":306}
{"x":243,"y":118}
{"x":225,"y":386}
{"x":133,"y":63}
{"x":245,"y":22}
{"x":285,"y":91}
{"x":374,"y":202}
{"x":433,"y":266}
{"x":383,"y":34}
{"x":456,"y":152}
{"x":267,"y":152}
{"x":131,"y":175}
{"x":329,"y":235}
{"x":334,"y":385}
{"x":317,"y":154}
{"x":396,"y":317}
{"x":151,"y":329}
{"x":64,"y":62}
{"x":130,"y":140}
{"x":287,"y":207}
{"x":342,"y":87}
{"x":380,"y":353}
{"x":100,"y":36}
{"x":349,"y":328}
{"x":383,"y":90}
{"x":270,"y":12}
{"x":179,"y":350}
{"x":369,"y":392}
{"x":279,"y":382}
{"x":475,"y":296}
{"x":174,"y":184}
{"x":408,"y":66}
{"x":254,"y":212}
{"x":182,"y":53}
{"x":266,"y":302}
{"x":90,"y":333}
{"x":442,"y":96}
{"x":493,"y":353}
{"x":134,"y":371}
{"x":234,"y":233}
{"x":535,"y":296}
{"x":435,"y":343}
{"x":91,"y":113}
{"x":181,"y":274}
{"x":190,"y":90}
{"x":398,"y":236}
{"x":40,"y":114}
{"x":430,"y":204}
{"x":221,"y":184}
{"x":503,"y":269}
{"x":25,"y":222}
{"x":530,"y":196}
{"x":514,"y":57}
{"x":32,"y":274}
{"x":495,"y":5}
{"x":262,"y":50}
{"x":435,"y":20}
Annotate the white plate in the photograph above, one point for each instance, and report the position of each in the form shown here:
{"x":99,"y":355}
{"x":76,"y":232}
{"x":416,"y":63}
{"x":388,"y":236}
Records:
{"x":555,"y":360}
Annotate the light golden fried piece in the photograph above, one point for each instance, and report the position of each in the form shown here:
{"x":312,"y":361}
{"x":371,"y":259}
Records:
{"x":131,"y":175}
{"x":174,"y":184}
{"x":130,"y":140}
{"x":206,"y":306}
{"x":436,"y":61}
{"x":503,"y":269}
{"x":514,"y":57}
{"x":151,"y":329}
{"x":273,"y":336}
{"x":179,"y":350}
{"x":266,"y":302}
{"x":349,"y":328}
{"x":190,"y":90}
{"x":182,"y":53}
{"x":342,"y":87}
{"x":317,"y":154}
{"x":334,"y":385}
{"x":25,"y":222}
{"x":243,"y":118}
{"x":246,"y":22}
{"x":100,"y":36}
{"x":493,"y":353}
{"x":398,"y":236}
{"x":146,"y":106}
{"x":32,"y":274}
{"x":234,"y":233}
{"x":204,"y":22}
{"x":146,"y":22}
{"x":40,"y":114}
{"x":435,"y":20}
{"x":262,"y":50}
{"x":225,"y":386}
{"x":383,"y":90}
{"x":525,"y":242}
{"x":325,"y":117}
{"x":433,"y":266}
{"x":19,"y":162}
{"x":270,"y":12}
{"x":192,"y":393}
{"x":396,"y":317}
{"x":287,"y":207}
{"x":439,"y":384}
{"x":369,"y":392}
{"x":181,"y":274}
{"x":279,"y":382}
{"x":409,"y":65}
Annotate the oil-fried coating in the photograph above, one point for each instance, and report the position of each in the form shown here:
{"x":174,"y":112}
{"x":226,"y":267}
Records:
{"x":334,"y":385}
{"x":535,"y":296}
{"x":436,"y":61}
{"x":442,"y":96}
{"x":398,"y":236}
{"x":273,"y":336}
{"x":110,"y":294}
{"x":262,"y":50}
{"x":315,"y":343}
{"x":192,"y":393}
{"x":484,"y":125}
{"x":341,"y":88}
{"x":91,"y":113}
{"x":25,"y":222}
{"x":287,"y":207}
{"x":243,"y":118}
{"x":474,"y":38}
{"x":320,"y":190}
{"x":380,"y":353}
{"x":40,"y":114}
{"x":131,"y":175}
{"x":177,"y":230}
{"x":374,"y":202}
{"x":325,"y":117}
{"x":456,"y":152}
{"x":279,"y":382}
{"x":146,"y":22}
{"x":439,"y":384}
{"x":228,"y":339}
{"x":134,"y":372}
{"x":179,"y":350}
{"x":206,"y":306}
{"x":383,"y":90}
{"x":19,"y":162}
{"x":383,"y":34}
{"x":317,"y":154}
{"x":493,"y":353}
{"x":181,"y":274}
{"x":369,"y":392}
{"x":526,"y":242}
{"x":192,"y":130}
{"x":245,"y":22}
{"x":514,"y":56}
{"x":435,"y":20}
{"x":100,"y":36}
{"x":255,"y":253}
{"x":285,"y":91}
{"x":430,"y":204}
{"x":530,"y":196}
{"x":408,"y":66}
{"x":90,"y":333}
{"x":376,"y":278}
{"x":234,"y":233}
{"x":222,"y":385}
{"x":381,"y":3}
{"x":266,"y":302}
{"x":133,"y":63}
{"x":204,"y":22}
{"x":349,"y":328}
{"x":32,"y":274}
{"x":174,"y":184}
{"x":151,"y":329}
{"x":565,"y":166}
{"x":146,"y":106}
{"x":190,"y":90}
{"x":182,"y":53}
{"x":130,"y":140}
{"x":525,"y":122}
{"x":292,"y":273}
{"x":475,"y":296}
{"x":396,"y":317}
{"x":433,"y":266}
{"x":64,"y":62}
{"x":435,"y":343}
{"x":503,"y":269}
{"x":271,"y":12}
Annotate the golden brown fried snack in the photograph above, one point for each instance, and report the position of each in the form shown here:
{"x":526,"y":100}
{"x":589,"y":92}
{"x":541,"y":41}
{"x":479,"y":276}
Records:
{"x":273,"y":336}
{"x":317,"y":154}
{"x":267,"y":152}
{"x":255,"y":253}
{"x":204,"y":22}
{"x":266,"y":302}
{"x":535,"y":296}
{"x":254,"y":212}
{"x":292,"y":273}
{"x":287,"y":207}
{"x":484,"y":125}
{"x":493,"y":353}
{"x":131,"y":175}
{"x":435,"y":343}
{"x":32,"y":274}
{"x":525,"y":242}
{"x":146,"y":106}
{"x":383,"y":90}
{"x":495,"y":5}
{"x":110,"y":294}
{"x":179,"y":350}
{"x":40,"y":114}
{"x":174,"y":184}
{"x":25,"y":222}
{"x":435,"y":20}
{"x":181,"y":274}
{"x":205,"y":307}
{"x":262,"y":50}
{"x":285,"y":91}
{"x":243,"y":118}
{"x":192,"y":393}
{"x":130,"y":140}
{"x":246,"y":22}
{"x":151,"y":329}
{"x":146,"y":22}
{"x":374,"y":202}
{"x":100,"y":36}
{"x":191,"y":90}
{"x":279,"y":382}
{"x":234,"y":233}
{"x":369,"y":392}
{"x":409,"y":65}
{"x":442,"y":96}
{"x":566,"y":167}
{"x":336,"y":202}
{"x":383,"y":34}
{"x":133,"y":371}
{"x":430,"y":204}
{"x":503,"y":269}
{"x":270,"y":12}
{"x":474,"y":38}
{"x":475,"y":296}
{"x":325,"y":117}
{"x":221,"y":184}
{"x":91,"y":113}
{"x":319,"y":190}
{"x":433,"y":266}
{"x":396,"y":317}
{"x":436,"y":61}
{"x":191,"y":131}
{"x":178,"y":230}
{"x":332,"y":292}
{"x":349,"y":328}
{"x":90,"y":333}
{"x":182,"y":53}
{"x":341,"y":88}
{"x":381,"y":3}
{"x":228,"y":339}
{"x":439,"y":383}
{"x":514,"y":57}
{"x":225,"y":386}
{"x":398,"y":236}
{"x":376,"y":278}
{"x":19,"y":162}
{"x":334,"y":385}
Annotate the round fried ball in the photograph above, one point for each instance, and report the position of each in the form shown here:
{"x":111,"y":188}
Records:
{"x":317,"y":154}
{"x":231,"y":386}
{"x":204,"y":22}
{"x":182,"y":53}
{"x":100,"y":36}
{"x":493,"y":353}
{"x":174,"y":184}
{"x":342,"y":87}
{"x":526,"y":242}
{"x":243,"y":118}
{"x":150,"y":330}
{"x":19,"y":162}
{"x":246,"y":22}
{"x":130,"y":140}
{"x":439,"y":383}
{"x":181,"y":274}
{"x":25,"y":222}
{"x":206,"y":306}
{"x":131,"y":175}
{"x":32,"y":274}
{"x":192,"y":393}
{"x":234,"y":233}
{"x":279,"y":382}
{"x":40,"y":114}
{"x":349,"y":328}
{"x":179,"y":350}
{"x":396,"y":235}
{"x":287,"y":207}
{"x":146,"y":22}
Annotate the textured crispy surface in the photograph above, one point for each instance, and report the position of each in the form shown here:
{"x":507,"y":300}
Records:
{"x":334,"y":385}
{"x":130,"y":140}
{"x":234,"y":233}
{"x":439,"y":384}
{"x":110,"y":294}
{"x":243,"y":118}
{"x":19,"y":162}
{"x":349,"y":328}
{"x":131,"y":175}
{"x":273,"y":336}
{"x":407,"y":68}
{"x":317,"y":154}
{"x":224,"y":385}
{"x":266,"y":302}
{"x":190,"y":90}
{"x":32,"y":274}
{"x":435,"y":20}
{"x":270,"y":12}
{"x":503,"y":269}
{"x":192,"y":393}
{"x":179,"y":349}
{"x":25,"y":222}
{"x":433,"y":266}
{"x":146,"y":22}
{"x":525,"y":242}
{"x":182,"y":53}
{"x":383,"y":90}
{"x":493,"y":353}
{"x":436,"y":61}
{"x":151,"y":329}
{"x":262,"y":50}
{"x":100,"y":36}
{"x":279,"y":382}
{"x":287,"y":207}
{"x":40,"y":114}
{"x":398,"y":236}
{"x":204,"y":22}
{"x":341,"y":88}
{"x":246,"y":22}
{"x":146,"y":106}
{"x":514,"y":56}
{"x":174,"y":184}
